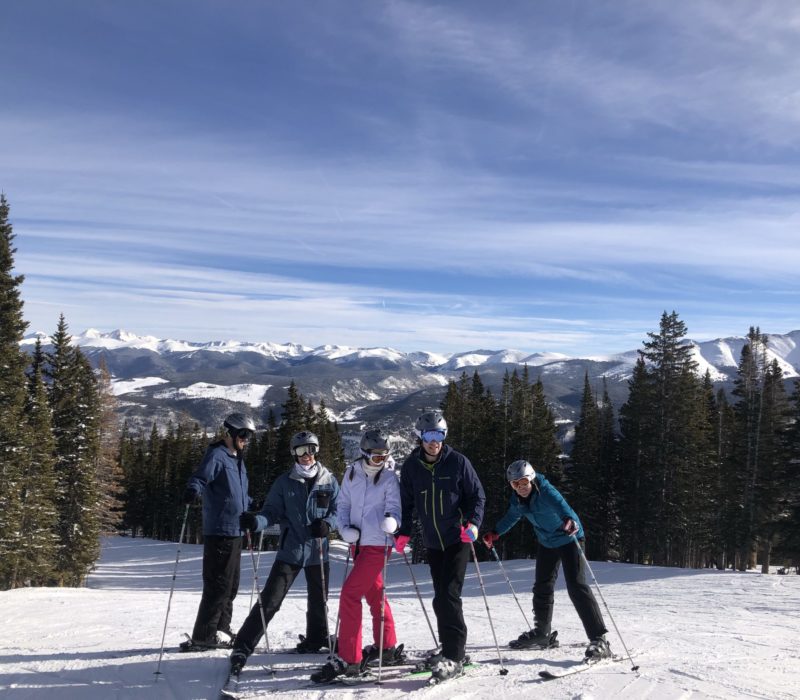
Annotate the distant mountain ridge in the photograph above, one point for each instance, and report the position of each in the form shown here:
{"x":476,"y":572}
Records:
{"x":163,"y":379}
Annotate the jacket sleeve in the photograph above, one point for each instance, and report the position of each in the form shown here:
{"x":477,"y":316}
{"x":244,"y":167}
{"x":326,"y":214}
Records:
{"x":206,"y":473}
{"x":511,"y":518}
{"x":406,"y":497}
{"x":392,"y":501}
{"x":343,"y":502}
{"x":473,"y":495}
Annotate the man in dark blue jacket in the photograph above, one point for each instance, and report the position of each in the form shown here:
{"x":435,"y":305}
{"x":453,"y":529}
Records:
{"x":442,"y":486}
{"x":558,"y":531}
{"x":221,"y":480}
{"x":303,"y":502}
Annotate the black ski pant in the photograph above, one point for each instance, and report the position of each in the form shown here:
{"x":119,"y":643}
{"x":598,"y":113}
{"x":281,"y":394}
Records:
{"x":221,"y":560}
{"x":280,"y":580}
{"x":580,"y":593}
{"x":448,"y":568}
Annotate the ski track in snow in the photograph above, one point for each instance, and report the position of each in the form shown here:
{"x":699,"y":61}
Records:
{"x":695,"y":634}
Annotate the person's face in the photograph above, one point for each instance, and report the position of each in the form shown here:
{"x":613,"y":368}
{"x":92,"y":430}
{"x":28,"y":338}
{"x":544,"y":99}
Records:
{"x":522,"y":486}
{"x":240,"y":440}
{"x":432,"y":442}
{"x":305,"y":455}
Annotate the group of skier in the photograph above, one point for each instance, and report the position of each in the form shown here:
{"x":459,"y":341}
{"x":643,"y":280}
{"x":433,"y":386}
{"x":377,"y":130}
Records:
{"x":373,"y":511}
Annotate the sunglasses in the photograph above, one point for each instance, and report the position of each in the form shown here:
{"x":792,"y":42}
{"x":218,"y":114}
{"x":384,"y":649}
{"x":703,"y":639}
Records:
{"x":306,"y":450}
{"x":378,"y":455}
{"x":524,"y":481}
{"x":433,"y":436}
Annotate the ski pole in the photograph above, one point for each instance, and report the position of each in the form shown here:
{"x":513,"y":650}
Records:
{"x":258,"y":593}
{"x":172,"y":590}
{"x":503,"y":669}
{"x":634,"y":667}
{"x":419,"y":596}
{"x":339,"y":609}
{"x":258,"y":561}
{"x":513,"y":592}
{"x":324,"y":593}
{"x":383,"y":609}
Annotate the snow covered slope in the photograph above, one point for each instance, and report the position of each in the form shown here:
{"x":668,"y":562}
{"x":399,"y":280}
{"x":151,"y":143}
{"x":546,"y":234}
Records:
{"x":695,"y":634}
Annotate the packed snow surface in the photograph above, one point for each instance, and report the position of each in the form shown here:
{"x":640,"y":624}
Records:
{"x":695,"y":634}
{"x":251,"y":394}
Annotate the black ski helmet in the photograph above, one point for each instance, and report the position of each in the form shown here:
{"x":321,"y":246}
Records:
{"x":520,"y":470}
{"x":430,"y":420}
{"x":373,"y":440}
{"x":237,"y":423}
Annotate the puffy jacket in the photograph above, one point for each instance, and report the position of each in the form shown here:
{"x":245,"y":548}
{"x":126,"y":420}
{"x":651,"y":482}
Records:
{"x":363,"y":502}
{"x":222,"y":482}
{"x":447,"y":494}
{"x":291,"y":505}
{"x":546,"y":510}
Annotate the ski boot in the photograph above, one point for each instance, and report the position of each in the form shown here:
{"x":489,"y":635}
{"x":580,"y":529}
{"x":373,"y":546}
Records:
{"x":598,"y":649}
{"x":535,"y":639}
{"x":445,"y":669}
{"x":306,"y":646}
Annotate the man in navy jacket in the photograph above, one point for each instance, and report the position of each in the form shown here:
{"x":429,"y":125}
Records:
{"x":441,"y":484}
{"x":221,"y":481}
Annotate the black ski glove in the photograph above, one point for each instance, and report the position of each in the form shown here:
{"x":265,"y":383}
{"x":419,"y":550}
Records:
{"x":190,"y":497}
{"x":248,"y":522}
{"x":320,"y":528}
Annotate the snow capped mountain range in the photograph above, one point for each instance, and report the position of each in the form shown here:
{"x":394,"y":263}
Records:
{"x":158,"y":379}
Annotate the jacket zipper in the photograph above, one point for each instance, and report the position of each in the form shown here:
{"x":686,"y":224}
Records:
{"x":433,"y":507}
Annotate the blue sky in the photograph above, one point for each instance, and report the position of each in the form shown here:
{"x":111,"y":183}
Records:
{"x":544,"y":176}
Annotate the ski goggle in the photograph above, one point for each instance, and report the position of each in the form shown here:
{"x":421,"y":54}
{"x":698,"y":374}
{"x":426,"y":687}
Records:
{"x":433,"y":436}
{"x":305,"y":450}
{"x":378,"y":455}
{"x":524,"y":481}
{"x":244,"y":434}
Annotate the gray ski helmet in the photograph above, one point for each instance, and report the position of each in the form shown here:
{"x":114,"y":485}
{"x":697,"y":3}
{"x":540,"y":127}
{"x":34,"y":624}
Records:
{"x":520,"y":470}
{"x":236,"y":423}
{"x":304,"y":437}
{"x":373,"y":440}
{"x":430,"y":420}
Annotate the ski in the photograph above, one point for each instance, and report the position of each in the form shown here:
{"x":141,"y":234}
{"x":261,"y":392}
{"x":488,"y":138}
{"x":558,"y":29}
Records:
{"x":230,"y":688}
{"x":579,"y":667}
{"x":231,"y":684}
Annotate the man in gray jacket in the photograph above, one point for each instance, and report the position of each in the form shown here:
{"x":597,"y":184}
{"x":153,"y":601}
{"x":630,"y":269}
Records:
{"x":303,"y":502}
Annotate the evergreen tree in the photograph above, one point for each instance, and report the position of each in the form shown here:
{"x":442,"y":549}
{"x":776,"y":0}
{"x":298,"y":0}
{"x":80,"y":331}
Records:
{"x":634,"y":489}
{"x":75,"y":413}
{"x":748,"y":388}
{"x":109,"y":474}
{"x":585,"y":484}
{"x":14,"y":446}
{"x":667,"y":447}
{"x":34,"y":561}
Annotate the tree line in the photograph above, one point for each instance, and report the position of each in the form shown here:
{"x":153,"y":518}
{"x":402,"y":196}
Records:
{"x":59,"y":486}
{"x":685,"y":475}
{"x":691,"y":476}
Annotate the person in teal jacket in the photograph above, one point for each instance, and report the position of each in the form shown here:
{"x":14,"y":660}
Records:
{"x":559,"y":532}
{"x":302,"y":501}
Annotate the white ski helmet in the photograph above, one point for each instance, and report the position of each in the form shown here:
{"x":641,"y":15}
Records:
{"x":237,"y":423}
{"x":520,"y":470}
{"x":430,"y":420}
